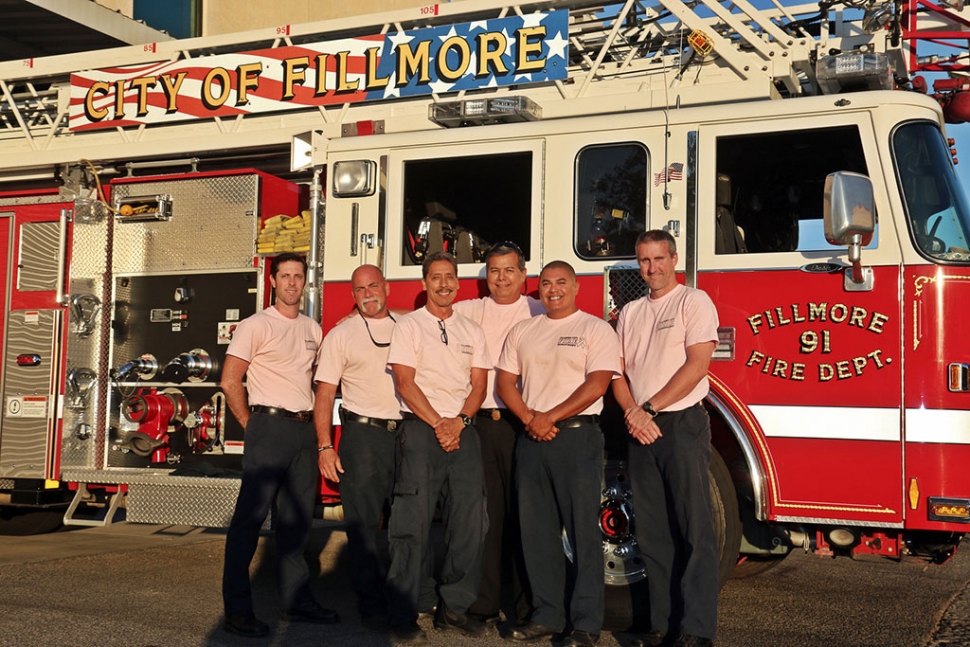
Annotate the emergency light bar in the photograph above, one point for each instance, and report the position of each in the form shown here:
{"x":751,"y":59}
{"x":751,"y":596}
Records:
{"x":854,"y":71}
{"x":477,"y":112}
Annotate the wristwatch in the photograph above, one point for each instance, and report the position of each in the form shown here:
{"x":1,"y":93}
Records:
{"x":466,"y":421}
{"x":649,"y":409}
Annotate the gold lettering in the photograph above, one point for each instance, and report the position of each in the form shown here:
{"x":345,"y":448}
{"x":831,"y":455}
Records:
{"x":529,"y":44}
{"x":795,"y":316}
{"x":838,"y":312}
{"x":858,"y":316}
{"x":817,"y":311}
{"x":876,"y":359}
{"x":119,"y":99}
{"x":825,"y":372}
{"x":413,"y":63}
{"x":97,"y":88}
{"x":771,"y":321}
{"x":372,"y":81}
{"x":459,"y":45}
{"x":170,"y":86}
{"x":491,"y":46}
{"x":756,"y":358}
{"x":842,"y":369}
{"x":798,"y":371}
{"x":140,"y":85}
{"x":781,"y":366}
{"x":321,"y":65}
{"x":859,"y":363}
{"x":343,"y":84}
{"x":210,"y":100}
{"x":755,"y":322}
{"x":781,"y":318}
{"x":878,"y":319}
{"x":294,"y":71}
{"x":768,"y":360}
{"x":248,"y":75}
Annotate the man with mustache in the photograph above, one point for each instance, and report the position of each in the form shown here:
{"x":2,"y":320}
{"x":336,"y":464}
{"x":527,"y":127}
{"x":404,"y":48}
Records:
{"x":498,"y":429}
{"x":440,"y":362}
{"x":354,"y":356}
{"x":563,"y":363}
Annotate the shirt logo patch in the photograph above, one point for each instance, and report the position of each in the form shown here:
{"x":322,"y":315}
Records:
{"x":576,"y":342}
{"x":310,"y":344}
{"x":663,"y":324}
{"x":466,"y":349}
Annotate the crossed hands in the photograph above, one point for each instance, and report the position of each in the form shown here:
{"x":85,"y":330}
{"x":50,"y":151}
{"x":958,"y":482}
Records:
{"x":641,"y":425}
{"x":540,"y":426}
{"x":448,"y":431}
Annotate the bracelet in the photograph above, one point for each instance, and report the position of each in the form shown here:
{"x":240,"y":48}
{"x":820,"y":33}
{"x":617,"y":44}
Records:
{"x":324,"y":448}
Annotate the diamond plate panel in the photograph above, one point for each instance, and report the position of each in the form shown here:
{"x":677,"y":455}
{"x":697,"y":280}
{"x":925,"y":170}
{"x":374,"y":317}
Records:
{"x":213,"y":226}
{"x":6,"y":484}
{"x":622,"y":285}
{"x":207,"y":502}
{"x":38,"y":247}
{"x":28,"y":396}
{"x":83,"y":437}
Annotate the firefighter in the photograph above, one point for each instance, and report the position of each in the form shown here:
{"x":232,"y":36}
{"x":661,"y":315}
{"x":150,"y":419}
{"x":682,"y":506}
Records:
{"x":275,"y":349}
{"x":666,"y":342}
{"x":354,"y":356}
{"x":498,"y":430}
{"x":440,"y":365}
{"x":565,"y":361}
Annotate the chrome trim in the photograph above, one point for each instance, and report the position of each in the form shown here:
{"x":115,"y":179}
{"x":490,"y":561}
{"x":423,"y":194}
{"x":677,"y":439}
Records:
{"x":690,"y":248}
{"x":758,"y":478}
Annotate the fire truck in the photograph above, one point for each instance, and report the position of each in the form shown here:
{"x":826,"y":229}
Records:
{"x":796,"y":153}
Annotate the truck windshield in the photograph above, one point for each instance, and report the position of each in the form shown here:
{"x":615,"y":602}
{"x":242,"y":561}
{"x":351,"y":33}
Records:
{"x":936,"y":204}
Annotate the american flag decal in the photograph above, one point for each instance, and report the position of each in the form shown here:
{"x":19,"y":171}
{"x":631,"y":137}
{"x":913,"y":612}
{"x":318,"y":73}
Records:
{"x":673,"y":173}
{"x":532,"y":48}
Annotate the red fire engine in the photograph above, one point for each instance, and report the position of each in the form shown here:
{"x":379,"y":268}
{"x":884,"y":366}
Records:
{"x":794,"y":153}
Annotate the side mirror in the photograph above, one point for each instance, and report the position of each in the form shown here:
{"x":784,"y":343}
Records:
{"x":848,"y":209}
{"x":849,"y":216}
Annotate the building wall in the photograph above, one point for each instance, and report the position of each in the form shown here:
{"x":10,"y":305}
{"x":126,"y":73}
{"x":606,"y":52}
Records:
{"x":225,"y":16}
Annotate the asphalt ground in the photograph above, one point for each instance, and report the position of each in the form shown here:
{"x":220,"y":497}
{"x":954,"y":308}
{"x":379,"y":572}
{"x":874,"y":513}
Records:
{"x":146,"y":586}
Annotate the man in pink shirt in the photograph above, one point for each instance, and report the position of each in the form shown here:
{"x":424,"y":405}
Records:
{"x":497,"y":430}
{"x":354,"y":356}
{"x":564,"y":361}
{"x":275,"y":349}
{"x":666,"y":340}
{"x":440,"y":363}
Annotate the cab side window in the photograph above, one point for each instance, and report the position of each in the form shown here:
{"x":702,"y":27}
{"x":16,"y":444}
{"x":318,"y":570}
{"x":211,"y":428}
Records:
{"x":464,"y":205}
{"x":610,"y":201}
{"x":770,"y":187}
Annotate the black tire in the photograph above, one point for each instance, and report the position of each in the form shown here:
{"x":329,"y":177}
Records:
{"x":625,"y":604}
{"x":751,"y":565}
{"x":20,"y":522}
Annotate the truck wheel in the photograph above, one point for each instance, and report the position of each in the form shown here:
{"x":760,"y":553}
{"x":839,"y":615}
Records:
{"x":625,"y":577}
{"x":20,"y":522}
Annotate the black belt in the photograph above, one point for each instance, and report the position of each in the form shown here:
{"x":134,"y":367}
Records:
{"x":302,"y":416}
{"x":346,"y":415}
{"x":493,"y":414}
{"x":578,"y":421}
{"x":407,"y":415}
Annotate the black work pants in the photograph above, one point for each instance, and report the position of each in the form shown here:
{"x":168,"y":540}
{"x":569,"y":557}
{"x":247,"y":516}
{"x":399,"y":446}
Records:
{"x":367,"y":455}
{"x":559,"y":484}
{"x":425,"y":473}
{"x":671,"y":500}
{"x":503,"y":566}
{"x":279,"y":466}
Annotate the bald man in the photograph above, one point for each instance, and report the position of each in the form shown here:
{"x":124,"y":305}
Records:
{"x":354,"y":356}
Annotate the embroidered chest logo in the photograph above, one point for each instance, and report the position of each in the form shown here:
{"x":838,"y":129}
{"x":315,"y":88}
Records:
{"x":466,"y":349}
{"x":664,"y":324}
